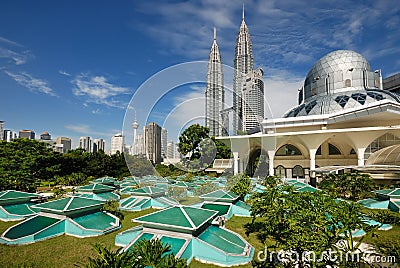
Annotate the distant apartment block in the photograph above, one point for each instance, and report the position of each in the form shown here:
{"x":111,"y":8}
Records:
{"x":45,"y":136}
{"x":1,"y":130}
{"x":164,"y":140}
{"x":27,"y":134}
{"x":117,"y":144}
{"x":63,"y":144}
{"x":392,"y":83}
{"x":9,"y":135}
{"x":85,"y":143}
{"x":152,"y":135}
{"x":99,"y":144}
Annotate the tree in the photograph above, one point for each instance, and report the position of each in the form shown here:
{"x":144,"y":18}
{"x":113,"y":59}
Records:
{"x":190,"y":140}
{"x":305,"y":222}
{"x":22,"y":161}
{"x":239,"y":184}
{"x":108,"y":258}
{"x":145,"y":253}
{"x":352,"y":185}
{"x":223,"y":151}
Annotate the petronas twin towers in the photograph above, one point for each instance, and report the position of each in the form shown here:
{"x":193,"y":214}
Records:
{"x":248,"y":89}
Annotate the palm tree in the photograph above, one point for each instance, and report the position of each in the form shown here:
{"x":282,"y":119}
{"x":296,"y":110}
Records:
{"x":145,"y":253}
{"x":110,"y":259}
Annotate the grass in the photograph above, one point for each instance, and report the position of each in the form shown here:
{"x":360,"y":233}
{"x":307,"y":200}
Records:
{"x":66,"y":251}
{"x":62,"y":251}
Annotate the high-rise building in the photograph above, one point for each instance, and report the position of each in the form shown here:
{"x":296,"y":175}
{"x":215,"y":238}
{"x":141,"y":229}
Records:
{"x":1,"y":130}
{"x":215,"y":91}
{"x":45,"y":136}
{"x":9,"y":135}
{"x":117,"y":143}
{"x":243,"y":64}
{"x":27,"y":134}
{"x":85,"y":143}
{"x":253,"y":100}
{"x":152,"y":137}
{"x":64,"y":143}
{"x":170,"y":149}
{"x":164,"y":140}
{"x":99,"y":144}
{"x":138,"y":146}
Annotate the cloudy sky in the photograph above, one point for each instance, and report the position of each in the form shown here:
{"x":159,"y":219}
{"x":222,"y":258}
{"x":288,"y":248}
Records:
{"x":72,"y":67}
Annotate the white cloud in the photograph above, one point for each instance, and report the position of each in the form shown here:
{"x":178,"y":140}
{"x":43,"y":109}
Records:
{"x":64,"y":73}
{"x":18,"y":58}
{"x":87,"y":130}
{"x":98,"y":90}
{"x":9,"y":42}
{"x":32,"y":83}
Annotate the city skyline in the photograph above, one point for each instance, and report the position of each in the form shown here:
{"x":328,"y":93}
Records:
{"x":71,"y":71}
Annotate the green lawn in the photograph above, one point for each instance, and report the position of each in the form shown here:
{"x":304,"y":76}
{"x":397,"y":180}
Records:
{"x":62,"y":251}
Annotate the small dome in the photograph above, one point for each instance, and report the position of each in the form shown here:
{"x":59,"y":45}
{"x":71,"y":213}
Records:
{"x":45,"y":133}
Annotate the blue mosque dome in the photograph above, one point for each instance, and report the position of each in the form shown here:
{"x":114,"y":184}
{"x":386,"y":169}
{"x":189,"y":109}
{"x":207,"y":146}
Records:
{"x":339,"y":81}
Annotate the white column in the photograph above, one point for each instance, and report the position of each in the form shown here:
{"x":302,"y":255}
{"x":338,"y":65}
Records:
{"x":235,"y":163}
{"x":360,"y":156}
{"x":312,"y":158}
{"x":271,"y":155}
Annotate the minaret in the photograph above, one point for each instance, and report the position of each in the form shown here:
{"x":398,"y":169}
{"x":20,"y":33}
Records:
{"x":243,"y":64}
{"x":214,"y":91}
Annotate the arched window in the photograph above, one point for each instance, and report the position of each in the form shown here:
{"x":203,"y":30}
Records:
{"x":287,"y":150}
{"x":333,"y":150}
{"x":318,"y":152}
{"x":280,"y":172}
{"x":347,"y":83}
{"x":353,"y":151}
{"x":298,"y":172}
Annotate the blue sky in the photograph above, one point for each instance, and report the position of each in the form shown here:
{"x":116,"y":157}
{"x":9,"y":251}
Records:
{"x":72,"y":67}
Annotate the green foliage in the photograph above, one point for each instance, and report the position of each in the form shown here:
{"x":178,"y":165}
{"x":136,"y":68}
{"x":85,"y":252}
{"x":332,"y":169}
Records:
{"x":202,"y":150}
{"x":22,"y":161}
{"x":169,"y":171}
{"x":305,"y":222}
{"x":385,"y":216}
{"x":153,"y":253}
{"x":271,"y":181}
{"x":239,"y":184}
{"x":112,"y":206}
{"x":205,"y":189}
{"x":353,"y":186}
{"x":190,"y":139}
{"x":111,"y":258}
{"x":390,"y":247}
{"x":223,"y":151}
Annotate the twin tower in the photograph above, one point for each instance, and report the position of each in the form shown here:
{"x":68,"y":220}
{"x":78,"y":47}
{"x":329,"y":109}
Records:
{"x":248,"y":89}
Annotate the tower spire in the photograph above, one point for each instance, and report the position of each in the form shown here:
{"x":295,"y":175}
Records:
{"x":243,"y":12}
{"x":215,"y":33}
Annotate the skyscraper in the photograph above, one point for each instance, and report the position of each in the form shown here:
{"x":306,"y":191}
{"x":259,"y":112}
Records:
{"x":164,"y":140}
{"x":215,"y":91}
{"x":86,"y":144}
{"x":1,"y":130}
{"x":243,"y":64}
{"x":99,"y":144}
{"x":253,"y":100}
{"x":117,"y":143}
{"x":45,"y":136}
{"x":9,"y":135}
{"x":65,"y":142}
{"x":152,"y":137}
{"x":27,"y":134}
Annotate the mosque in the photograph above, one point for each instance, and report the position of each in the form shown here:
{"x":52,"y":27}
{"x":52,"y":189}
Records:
{"x":345,"y":120}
